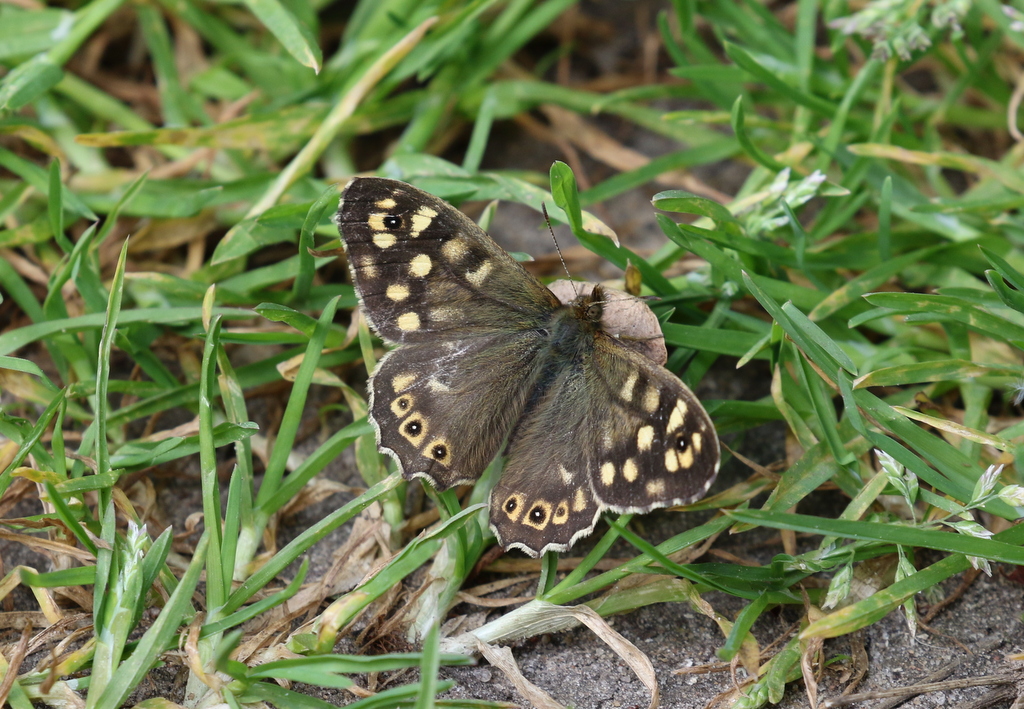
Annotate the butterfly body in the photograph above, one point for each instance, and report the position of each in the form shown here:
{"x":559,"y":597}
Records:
{"x":488,"y":358}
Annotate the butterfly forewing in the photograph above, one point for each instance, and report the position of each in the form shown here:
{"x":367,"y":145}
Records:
{"x":424,"y":271}
{"x":465,"y":314}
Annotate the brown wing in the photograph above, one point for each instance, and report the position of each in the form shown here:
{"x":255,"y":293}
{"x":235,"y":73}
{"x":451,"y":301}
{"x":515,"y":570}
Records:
{"x":543,"y":500}
{"x":658,"y":447}
{"x":466,"y":317}
{"x":443,"y":409}
{"x":424,"y":271}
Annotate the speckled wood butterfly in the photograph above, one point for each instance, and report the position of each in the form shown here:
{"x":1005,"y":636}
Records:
{"x":488,"y":357}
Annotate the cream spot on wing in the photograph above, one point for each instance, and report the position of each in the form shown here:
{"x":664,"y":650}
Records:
{"x":607,"y":473}
{"x":628,"y":386}
{"x":477,"y":277}
{"x":367,"y":268}
{"x":697,"y":441}
{"x":421,"y":220}
{"x":579,"y":501}
{"x":561,"y":515}
{"x":376,"y":221}
{"x":651,"y":400}
{"x":386,"y":203}
{"x":402,"y":405}
{"x":513,"y":506}
{"x":566,"y":475}
{"x":686,"y":458}
{"x":539,"y":515}
{"x":454,"y":249}
{"x":644,"y":438}
{"x":629,"y":470}
{"x":407,"y":322}
{"x":656,"y":488}
{"x":675,"y":419}
{"x":420,"y":265}
{"x":671,"y":461}
{"x":384,"y":239}
{"x":438,"y":387}
{"x":402,"y":381}
{"x":397,"y":292}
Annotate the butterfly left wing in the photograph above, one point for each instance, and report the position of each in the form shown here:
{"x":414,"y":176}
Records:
{"x":467,"y":318}
{"x":425,"y":272}
{"x":659,"y":447}
{"x":613,"y":431}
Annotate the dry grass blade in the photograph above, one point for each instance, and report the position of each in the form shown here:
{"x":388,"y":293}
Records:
{"x":46,"y":545}
{"x":344,"y":110}
{"x":859,"y":662}
{"x":995,"y":697}
{"x":904,"y":693}
{"x":17,"y":657}
{"x":631,"y":655}
{"x":811,"y":651}
{"x":501,"y":657}
{"x":987,"y":645}
{"x":493,"y":602}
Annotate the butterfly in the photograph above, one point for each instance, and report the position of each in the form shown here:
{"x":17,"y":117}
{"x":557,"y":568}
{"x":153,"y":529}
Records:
{"x":487,"y":359}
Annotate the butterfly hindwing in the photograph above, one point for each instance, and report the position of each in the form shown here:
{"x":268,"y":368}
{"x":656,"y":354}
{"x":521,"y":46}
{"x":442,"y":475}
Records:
{"x":443,"y":409}
{"x":543,"y":500}
{"x":424,"y":271}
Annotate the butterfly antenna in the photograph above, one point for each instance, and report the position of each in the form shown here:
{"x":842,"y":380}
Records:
{"x":547,"y":220}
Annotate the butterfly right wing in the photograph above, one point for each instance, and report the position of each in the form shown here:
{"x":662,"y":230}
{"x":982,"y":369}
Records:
{"x":443,"y":409}
{"x":425,"y":272}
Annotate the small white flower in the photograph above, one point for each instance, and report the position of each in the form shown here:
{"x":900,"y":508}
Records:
{"x":986,"y":483}
{"x":970,"y":528}
{"x":839,"y":588}
{"x":1012,"y":495}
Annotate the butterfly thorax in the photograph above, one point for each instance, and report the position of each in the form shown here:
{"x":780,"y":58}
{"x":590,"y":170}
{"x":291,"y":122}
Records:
{"x":572,"y":327}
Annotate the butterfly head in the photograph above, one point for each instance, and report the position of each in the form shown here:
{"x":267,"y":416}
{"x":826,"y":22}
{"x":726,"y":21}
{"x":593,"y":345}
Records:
{"x":589,"y":307}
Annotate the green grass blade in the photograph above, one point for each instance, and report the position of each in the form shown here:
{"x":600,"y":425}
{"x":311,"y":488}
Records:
{"x":158,"y":637}
{"x":904,"y":535}
{"x":293,"y":412}
{"x":292,"y":33}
